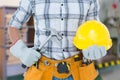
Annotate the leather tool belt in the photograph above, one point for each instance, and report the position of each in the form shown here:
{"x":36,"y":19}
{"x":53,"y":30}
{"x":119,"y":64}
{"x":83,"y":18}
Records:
{"x":47,"y":68}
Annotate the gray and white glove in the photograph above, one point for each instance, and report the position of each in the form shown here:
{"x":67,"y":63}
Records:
{"x":28,"y":56}
{"x":94,"y":52}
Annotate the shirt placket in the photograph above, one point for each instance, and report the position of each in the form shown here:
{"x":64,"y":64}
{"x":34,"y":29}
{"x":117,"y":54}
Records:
{"x":63,"y":24}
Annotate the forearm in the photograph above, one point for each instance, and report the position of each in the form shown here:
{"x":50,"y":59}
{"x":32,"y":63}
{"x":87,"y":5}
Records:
{"x":14,"y":34}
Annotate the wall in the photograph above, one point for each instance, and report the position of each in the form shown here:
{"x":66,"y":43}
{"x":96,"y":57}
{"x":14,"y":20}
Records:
{"x":9,"y":3}
{"x":106,"y":9}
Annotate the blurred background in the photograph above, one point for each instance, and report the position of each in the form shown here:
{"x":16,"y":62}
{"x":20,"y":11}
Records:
{"x":108,"y":66}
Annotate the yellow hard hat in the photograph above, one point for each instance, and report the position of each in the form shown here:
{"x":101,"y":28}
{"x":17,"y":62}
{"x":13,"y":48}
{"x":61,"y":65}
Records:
{"x":90,"y":33}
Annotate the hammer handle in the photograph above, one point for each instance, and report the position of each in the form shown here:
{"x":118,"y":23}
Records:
{"x":24,"y":66}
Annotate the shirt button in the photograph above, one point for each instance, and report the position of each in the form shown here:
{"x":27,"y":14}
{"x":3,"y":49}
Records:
{"x":61,"y":4}
{"x":61,"y":18}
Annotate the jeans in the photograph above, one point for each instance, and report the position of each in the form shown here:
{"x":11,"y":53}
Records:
{"x":71,"y":78}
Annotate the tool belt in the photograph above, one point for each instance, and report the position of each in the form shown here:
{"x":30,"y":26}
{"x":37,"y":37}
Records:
{"x":47,"y":68}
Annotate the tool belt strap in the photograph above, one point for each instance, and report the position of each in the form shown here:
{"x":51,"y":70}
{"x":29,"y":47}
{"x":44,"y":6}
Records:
{"x":70,"y":60}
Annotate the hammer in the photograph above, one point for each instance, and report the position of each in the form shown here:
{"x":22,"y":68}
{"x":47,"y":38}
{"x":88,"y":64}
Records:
{"x":53,"y":33}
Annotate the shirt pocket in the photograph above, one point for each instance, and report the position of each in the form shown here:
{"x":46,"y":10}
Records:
{"x":79,"y":10}
{"x":47,"y":10}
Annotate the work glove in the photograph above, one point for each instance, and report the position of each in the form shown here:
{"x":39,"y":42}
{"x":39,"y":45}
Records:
{"x":28,"y":56}
{"x":94,"y":52}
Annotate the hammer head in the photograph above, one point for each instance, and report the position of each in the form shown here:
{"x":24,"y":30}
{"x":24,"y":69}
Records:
{"x":53,"y":32}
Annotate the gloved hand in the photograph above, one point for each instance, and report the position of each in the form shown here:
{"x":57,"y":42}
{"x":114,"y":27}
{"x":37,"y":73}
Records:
{"x":28,"y":56}
{"x":94,"y":52}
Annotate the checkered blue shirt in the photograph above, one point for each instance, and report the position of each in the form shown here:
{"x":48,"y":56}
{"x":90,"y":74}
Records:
{"x":64,"y":16}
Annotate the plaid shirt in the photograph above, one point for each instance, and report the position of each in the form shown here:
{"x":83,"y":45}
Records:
{"x":64,"y":16}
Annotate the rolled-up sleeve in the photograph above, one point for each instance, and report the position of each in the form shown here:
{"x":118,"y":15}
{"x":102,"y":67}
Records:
{"x":22,"y":14}
{"x":93,"y":12}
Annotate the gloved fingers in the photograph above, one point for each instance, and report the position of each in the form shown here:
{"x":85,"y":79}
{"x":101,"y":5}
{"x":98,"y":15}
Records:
{"x":94,"y":52}
{"x":97,"y":52}
{"x":35,"y":53}
{"x":103,"y":51}
{"x":30,"y":60}
{"x":30,"y":63}
{"x":85,"y":54}
{"x":27,"y":62}
{"x":89,"y":53}
{"x":34,"y":58}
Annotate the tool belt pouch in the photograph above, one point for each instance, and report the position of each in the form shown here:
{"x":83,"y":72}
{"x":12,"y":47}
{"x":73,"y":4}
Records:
{"x":42,"y":73}
{"x":88,"y":72}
